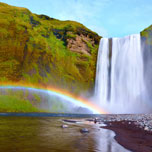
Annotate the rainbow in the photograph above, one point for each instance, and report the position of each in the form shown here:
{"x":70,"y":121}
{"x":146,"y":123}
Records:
{"x":57,"y":92}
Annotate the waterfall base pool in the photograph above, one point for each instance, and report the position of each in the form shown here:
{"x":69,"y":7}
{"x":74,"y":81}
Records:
{"x":45,"y":134}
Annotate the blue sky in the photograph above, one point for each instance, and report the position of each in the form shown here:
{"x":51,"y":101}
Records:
{"x":109,"y":18}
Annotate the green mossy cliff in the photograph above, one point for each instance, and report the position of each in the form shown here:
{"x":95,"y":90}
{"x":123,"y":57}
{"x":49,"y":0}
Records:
{"x":38,"y":49}
{"x":146,"y":35}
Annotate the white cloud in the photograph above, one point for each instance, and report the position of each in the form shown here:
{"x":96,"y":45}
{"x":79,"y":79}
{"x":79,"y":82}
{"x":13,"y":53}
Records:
{"x":82,"y":11}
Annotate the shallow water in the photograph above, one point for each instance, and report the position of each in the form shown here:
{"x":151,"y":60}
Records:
{"x":44,"y":134}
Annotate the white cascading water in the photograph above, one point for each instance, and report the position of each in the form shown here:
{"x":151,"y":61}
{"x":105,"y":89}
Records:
{"x":120,"y":83}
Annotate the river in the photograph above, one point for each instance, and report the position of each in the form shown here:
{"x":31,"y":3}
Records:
{"x":45,"y":134}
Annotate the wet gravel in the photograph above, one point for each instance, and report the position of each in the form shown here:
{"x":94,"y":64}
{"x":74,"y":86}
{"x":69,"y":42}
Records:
{"x":143,"y":121}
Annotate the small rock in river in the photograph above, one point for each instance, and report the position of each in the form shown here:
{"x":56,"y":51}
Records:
{"x":64,"y":126}
{"x":84,"y":130}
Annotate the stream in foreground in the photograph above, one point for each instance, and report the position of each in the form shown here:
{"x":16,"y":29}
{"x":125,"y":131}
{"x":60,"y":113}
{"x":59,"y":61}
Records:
{"x":45,"y":134}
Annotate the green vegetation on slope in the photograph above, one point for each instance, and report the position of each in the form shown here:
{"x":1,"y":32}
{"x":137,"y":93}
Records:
{"x":147,"y":35}
{"x":38,"y":49}
{"x":13,"y":104}
{"x":12,"y":100}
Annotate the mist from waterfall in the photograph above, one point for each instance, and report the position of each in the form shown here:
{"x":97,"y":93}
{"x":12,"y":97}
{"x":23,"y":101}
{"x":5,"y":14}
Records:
{"x":121,"y":80}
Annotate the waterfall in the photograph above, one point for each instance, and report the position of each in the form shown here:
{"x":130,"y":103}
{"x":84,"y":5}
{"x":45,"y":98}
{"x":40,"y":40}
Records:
{"x":120,"y":76}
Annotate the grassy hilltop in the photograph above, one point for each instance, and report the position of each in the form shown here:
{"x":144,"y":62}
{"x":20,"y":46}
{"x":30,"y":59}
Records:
{"x":37,"y":49}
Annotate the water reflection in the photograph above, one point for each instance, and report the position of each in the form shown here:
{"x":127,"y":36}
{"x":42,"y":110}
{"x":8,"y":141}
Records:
{"x":39,"y":134}
{"x":106,"y":142}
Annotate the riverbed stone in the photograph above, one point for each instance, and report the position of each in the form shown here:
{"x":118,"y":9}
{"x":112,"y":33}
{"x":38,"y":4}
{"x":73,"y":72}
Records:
{"x":84,"y":130}
{"x":64,"y":126}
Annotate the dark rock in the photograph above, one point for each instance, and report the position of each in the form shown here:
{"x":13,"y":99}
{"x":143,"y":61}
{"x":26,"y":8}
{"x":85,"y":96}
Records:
{"x":70,"y":121}
{"x":45,"y":17}
{"x":84,"y":130}
{"x":95,"y":120}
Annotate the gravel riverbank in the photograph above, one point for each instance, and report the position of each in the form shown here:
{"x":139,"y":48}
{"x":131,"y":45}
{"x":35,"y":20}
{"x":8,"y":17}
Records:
{"x":133,"y":132}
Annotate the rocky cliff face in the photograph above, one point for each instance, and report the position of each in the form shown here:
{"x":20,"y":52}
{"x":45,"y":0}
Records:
{"x":38,"y":49}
